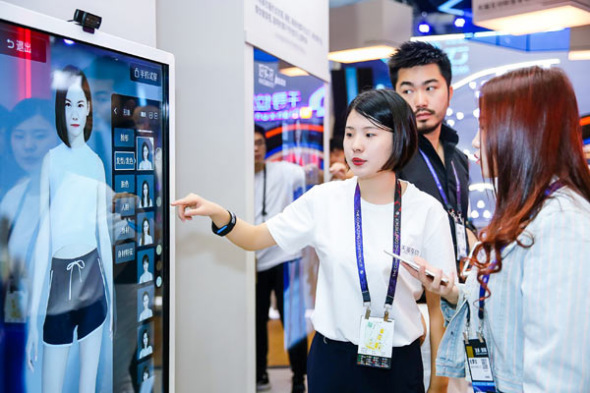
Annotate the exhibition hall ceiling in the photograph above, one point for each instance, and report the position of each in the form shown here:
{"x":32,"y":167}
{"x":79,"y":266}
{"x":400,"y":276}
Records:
{"x":420,"y":6}
{"x":440,"y":15}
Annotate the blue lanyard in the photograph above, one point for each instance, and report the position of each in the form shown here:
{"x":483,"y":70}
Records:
{"x":360,"y":259}
{"x":439,"y":185}
{"x":550,"y":190}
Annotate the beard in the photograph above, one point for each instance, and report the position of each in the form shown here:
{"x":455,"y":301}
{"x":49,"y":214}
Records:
{"x":425,"y":130}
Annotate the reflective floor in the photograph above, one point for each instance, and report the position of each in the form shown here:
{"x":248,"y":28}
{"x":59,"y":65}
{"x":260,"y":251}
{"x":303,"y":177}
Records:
{"x":280,"y":379}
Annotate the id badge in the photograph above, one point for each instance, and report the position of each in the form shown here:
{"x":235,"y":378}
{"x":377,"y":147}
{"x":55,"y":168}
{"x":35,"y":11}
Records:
{"x":375,"y":343}
{"x":461,"y":237}
{"x":480,"y":369}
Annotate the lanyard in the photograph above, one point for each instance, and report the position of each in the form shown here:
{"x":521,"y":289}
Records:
{"x":556,"y":185}
{"x":360,"y":260}
{"x":439,"y":185}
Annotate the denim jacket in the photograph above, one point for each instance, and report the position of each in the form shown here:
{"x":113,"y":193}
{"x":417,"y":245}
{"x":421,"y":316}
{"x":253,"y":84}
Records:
{"x":537,"y":320}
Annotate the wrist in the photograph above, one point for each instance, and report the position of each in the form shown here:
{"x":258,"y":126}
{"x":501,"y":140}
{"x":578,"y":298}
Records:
{"x":226,"y":225}
{"x":453,"y":296}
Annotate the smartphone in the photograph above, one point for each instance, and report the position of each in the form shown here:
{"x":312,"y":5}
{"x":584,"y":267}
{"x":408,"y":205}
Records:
{"x":415,"y":266}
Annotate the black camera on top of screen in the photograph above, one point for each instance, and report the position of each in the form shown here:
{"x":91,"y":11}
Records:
{"x":89,"y":22}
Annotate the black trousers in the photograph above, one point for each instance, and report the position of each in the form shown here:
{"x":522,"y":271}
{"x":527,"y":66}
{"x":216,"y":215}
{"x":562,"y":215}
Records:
{"x":332,"y":368}
{"x":267,"y":282}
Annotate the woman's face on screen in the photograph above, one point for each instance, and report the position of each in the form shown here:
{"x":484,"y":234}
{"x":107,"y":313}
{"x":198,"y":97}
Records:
{"x":145,"y":152}
{"x":31,"y":140}
{"x":146,"y":227}
{"x":77,"y":110}
{"x":145,"y":189}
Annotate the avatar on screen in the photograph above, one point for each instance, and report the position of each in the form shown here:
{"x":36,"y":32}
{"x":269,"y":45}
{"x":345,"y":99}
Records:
{"x":72,"y":180}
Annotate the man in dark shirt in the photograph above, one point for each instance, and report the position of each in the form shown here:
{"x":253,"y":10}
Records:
{"x":421,"y":74}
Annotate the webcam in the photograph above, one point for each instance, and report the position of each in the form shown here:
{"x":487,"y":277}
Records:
{"x":89,"y":22}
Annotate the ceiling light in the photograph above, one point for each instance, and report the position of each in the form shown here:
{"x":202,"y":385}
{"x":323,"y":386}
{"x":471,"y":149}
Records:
{"x":293,"y":71}
{"x":424,"y":28}
{"x":532,"y":16}
{"x":459,"y":22}
{"x":362,"y":54}
{"x":368,"y":30}
{"x":579,"y":43}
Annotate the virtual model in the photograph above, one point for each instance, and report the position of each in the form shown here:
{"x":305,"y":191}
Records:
{"x":73,"y":243}
{"x":146,"y":347}
{"x":145,"y":199}
{"x":147,"y":311}
{"x":145,"y":238}
{"x":145,"y":163}
{"x":146,"y":276}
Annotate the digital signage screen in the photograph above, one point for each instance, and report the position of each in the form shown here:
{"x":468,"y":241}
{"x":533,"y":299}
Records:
{"x":85,"y":141}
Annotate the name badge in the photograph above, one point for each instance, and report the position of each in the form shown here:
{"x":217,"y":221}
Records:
{"x":480,"y":369}
{"x":375,"y":343}
{"x":461,"y":237}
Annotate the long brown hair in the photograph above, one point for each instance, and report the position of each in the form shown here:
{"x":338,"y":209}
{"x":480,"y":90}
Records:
{"x":531,"y":133}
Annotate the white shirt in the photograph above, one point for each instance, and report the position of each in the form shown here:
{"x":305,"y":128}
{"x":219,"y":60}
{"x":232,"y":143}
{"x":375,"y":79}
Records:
{"x":145,"y":314}
{"x":284,"y":182}
{"x":145,"y":165}
{"x":146,"y":277}
{"x":145,"y":352}
{"x":324,"y":219}
{"x":75,"y":176}
{"x":22,"y":205}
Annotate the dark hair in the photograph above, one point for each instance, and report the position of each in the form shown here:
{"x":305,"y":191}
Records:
{"x":145,"y":145}
{"x":260,"y":130}
{"x":142,"y":232}
{"x":68,"y":76}
{"x":419,"y":53}
{"x":388,"y":110}
{"x":336,"y":143}
{"x":145,"y":259}
{"x":145,"y":293}
{"x":530,"y":125}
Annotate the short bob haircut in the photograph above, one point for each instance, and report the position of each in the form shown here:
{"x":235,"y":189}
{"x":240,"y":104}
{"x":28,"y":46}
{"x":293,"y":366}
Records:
{"x":389,"y":111}
{"x":68,"y":76}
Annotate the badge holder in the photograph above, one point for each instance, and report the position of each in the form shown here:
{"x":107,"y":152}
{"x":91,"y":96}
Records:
{"x":478,"y":361}
{"x":375,"y":340}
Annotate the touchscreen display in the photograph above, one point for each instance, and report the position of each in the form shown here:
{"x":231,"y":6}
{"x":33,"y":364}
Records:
{"x":84,"y":233}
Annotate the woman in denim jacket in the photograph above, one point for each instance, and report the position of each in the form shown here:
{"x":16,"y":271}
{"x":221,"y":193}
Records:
{"x":535,"y":251}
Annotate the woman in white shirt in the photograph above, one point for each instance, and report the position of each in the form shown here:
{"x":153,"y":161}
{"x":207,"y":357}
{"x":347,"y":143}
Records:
{"x":360,"y":289}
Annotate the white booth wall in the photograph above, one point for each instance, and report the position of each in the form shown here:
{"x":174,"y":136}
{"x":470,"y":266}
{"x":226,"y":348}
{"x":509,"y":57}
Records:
{"x":215,"y":281}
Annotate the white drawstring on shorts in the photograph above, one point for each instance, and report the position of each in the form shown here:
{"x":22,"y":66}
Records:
{"x":80,"y":264}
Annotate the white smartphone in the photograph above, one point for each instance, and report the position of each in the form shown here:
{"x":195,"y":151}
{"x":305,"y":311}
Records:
{"x":415,"y":266}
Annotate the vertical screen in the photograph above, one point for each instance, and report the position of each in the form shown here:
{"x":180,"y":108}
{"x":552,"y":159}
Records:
{"x":83,"y":231}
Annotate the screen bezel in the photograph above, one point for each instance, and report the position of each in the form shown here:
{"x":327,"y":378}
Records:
{"x":56,"y":27}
